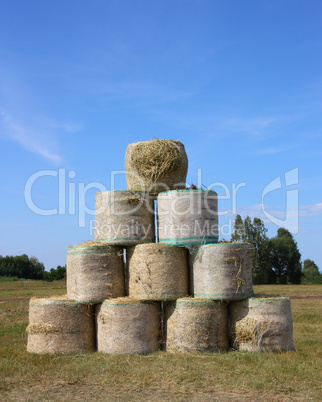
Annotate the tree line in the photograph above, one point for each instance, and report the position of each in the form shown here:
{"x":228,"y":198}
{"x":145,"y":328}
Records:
{"x":277,"y":259}
{"x":23,"y":267}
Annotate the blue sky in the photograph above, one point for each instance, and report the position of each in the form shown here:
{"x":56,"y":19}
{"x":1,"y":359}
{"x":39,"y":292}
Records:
{"x":238,"y":82}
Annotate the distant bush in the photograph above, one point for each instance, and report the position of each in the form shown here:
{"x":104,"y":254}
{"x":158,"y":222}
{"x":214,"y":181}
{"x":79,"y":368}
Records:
{"x":310,"y":273}
{"x":55,"y":274}
{"x":21,"y":266}
{"x":8,"y":278}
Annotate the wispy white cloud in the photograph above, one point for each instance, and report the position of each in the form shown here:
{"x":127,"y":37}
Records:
{"x":35,"y":140}
{"x":278,"y":214}
{"x":311,"y":210}
{"x":140,"y":90}
{"x":67,"y":127}
{"x":25,"y":117}
{"x":254,"y":126}
{"x":257,"y":211}
{"x":279,"y":217}
{"x":271,"y":151}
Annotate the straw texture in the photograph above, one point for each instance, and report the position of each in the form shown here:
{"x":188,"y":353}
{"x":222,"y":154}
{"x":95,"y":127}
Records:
{"x":261,"y":324}
{"x":128,"y":326}
{"x":187,"y":217}
{"x":60,"y":325}
{"x":222,"y":271}
{"x":196,"y":325}
{"x":157,"y":272}
{"x":156,"y":165}
{"x":124,"y":217}
{"x":94,"y":272}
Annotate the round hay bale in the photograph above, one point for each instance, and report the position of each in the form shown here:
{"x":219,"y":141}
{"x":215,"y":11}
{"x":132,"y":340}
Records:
{"x":222,"y":271}
{"x":124,"y":218}
{"x":261,"y":324}
{"x":196,"y":325}
{"x":157,"y":272}
{"x":60,"y":325}
{"x":128,"y":326}
{"x":187,"y":217}
{"x":94,"y":272}
{"x":156,"y":165}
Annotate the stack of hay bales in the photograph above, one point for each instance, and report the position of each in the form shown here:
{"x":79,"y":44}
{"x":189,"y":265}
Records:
{"x":127,"y":294}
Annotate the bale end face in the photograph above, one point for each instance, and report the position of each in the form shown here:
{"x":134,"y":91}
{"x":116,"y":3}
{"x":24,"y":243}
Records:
{"x":60,"y":325}
{"x":196,"y":325}
{"x":157,"y":272}
{"x":261,"y":324}
{"x":128,"y":326}
{"x":153,"y":158}
{"x":156,"y":165}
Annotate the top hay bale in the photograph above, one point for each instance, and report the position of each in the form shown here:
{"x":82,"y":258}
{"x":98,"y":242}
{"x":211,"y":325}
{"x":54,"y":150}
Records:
{"x":156,"y":165}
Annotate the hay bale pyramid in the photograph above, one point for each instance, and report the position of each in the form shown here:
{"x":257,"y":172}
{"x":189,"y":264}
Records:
{"x":185,"y":293}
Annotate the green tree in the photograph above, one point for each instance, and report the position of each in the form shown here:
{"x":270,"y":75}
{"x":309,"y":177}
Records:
{"x":286,"y":258}
{"x":21,"y":266}
{"x":55,"y":274}
{"x":241,"y":229}
{"x":37,"y":268}
{"x":311,"y":273}
{"x":254,"y":232}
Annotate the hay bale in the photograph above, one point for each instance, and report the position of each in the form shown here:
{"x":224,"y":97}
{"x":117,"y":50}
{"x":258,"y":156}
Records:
{"x":222,"y":271}
{"x":128,"y":326}
{"x":124,"y":217}
{"x":60,"y":325}
{"x":157,"y":272}
{"x":196,"y":325}
{"x":94,"y":272}
{"x":261,"y":324}
{"x":156,"y":165}
{"x":187,"y":217}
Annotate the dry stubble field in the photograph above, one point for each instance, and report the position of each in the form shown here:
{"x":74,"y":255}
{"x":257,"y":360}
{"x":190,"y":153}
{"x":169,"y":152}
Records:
{"x":160,"y":376}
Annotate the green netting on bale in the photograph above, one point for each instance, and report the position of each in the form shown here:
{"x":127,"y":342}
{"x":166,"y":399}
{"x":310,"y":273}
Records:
{"x":119,"y":241}
{"x":188,"y":191}
{"x":225,"y":296}
{"x":192,"y":244}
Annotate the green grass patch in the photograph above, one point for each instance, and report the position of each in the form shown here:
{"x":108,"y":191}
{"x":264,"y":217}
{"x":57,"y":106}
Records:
{"x":159,"y":376}
{"x":289,"y":290}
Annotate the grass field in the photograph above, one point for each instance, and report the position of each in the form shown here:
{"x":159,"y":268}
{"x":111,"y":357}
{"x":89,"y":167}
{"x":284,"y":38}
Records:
{"x":160,"y":376}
